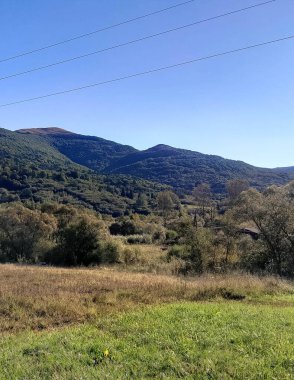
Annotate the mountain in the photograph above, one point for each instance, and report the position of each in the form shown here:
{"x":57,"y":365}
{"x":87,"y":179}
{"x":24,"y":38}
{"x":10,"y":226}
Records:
{"x":45,"y":131}
{"x":182,"y":169}
{"x":32,"y":169}
{"x":94,"y":152}
{"x":289,"y":169}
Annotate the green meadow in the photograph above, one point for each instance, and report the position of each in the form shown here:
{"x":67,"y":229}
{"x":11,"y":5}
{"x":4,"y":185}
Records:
{"x":189,"y":340}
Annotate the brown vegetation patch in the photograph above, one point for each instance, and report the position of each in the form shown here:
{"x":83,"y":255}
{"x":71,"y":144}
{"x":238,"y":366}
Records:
{"x":42,"y":297}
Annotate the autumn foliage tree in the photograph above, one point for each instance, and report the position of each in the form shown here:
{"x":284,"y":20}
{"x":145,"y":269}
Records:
{"x":167,"y":201}
{"x":202,"y":195}
{"x":235,"y":187}
{"x":272,"y":213}
{"x":21,"y":230}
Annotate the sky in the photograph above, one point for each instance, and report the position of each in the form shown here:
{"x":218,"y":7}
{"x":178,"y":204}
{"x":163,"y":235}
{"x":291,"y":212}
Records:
{"x":238,"y":106}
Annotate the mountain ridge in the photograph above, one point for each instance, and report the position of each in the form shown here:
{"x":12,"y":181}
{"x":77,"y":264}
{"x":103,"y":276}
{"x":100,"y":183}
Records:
{"x":44,"y":131}
{"x":90,"y":151}
{"x":180,"y":168}
{"x":32,"y":169}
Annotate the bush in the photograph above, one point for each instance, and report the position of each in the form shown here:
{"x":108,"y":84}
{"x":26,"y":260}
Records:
{"x":124,"y":228}
{"x":140,"y":239}
{"x":177,"y":266}
{"x":159,"y":236}
{"x":171,"y":237}
{"x":42,"y":250}
{"x":93,"y":258}
{"x":54,"y":256}
{"x":110,"y":251}
{"x":252,"y":255}
{"x":21,"y":230}
{"x":78,"y":242}
{"x":129,"y":256}
{"x":178,"y":251}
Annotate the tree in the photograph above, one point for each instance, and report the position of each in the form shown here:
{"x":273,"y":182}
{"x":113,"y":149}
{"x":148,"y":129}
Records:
{"x":235,"y":187}
{"x":229,"y":237}
{"x":21,"y":229}
{"x":125,"y":227}
{"x":141,"y":204}
{"x":78,"y":242}
{"x":272,"y":213}
{"x":167,"y":201}
{"x":196,"y":247}
{"x":202,"y":195}
{"x":203,"y":198}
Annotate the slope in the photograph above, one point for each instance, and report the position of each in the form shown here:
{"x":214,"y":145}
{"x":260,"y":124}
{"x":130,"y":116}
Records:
{"x":94,"y":152}
{"x":182,"y":169}
{"x":33,"y":170}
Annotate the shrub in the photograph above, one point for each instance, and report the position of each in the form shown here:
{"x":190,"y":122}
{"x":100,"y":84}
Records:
{"x":159,"y":235}
{"x":110,"y":251}
{"x":21,"y":230}
{"x":139,"y":239}
{"x":42,"y":250}
{"x":124,"y":228}
{"x":77,"y":242}
{"x":178,"y":251}
{"x":177,"y":266}
{"x":129,"y":256}
{"x":171,"y":237}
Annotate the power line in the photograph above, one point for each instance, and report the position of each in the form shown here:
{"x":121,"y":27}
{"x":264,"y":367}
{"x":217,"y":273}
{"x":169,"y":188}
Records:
{"x":150,"y":71}
{"x":96,"y":31}
{"x":137,"y":40}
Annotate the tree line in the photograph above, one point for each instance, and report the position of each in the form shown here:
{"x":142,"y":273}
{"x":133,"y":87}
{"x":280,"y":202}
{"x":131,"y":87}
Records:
{"x":249,"y":230}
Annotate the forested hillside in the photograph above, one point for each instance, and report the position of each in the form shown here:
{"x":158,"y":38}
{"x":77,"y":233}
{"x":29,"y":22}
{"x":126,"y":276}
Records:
{"x":33,"y":170}
{"x":94,"y":152}
{"x":182,"y":169}
{"x":289,"y":169}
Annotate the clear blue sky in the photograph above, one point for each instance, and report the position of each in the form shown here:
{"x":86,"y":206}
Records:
{"x":239,"y":106}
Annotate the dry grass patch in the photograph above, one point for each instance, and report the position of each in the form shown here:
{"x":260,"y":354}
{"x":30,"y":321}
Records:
{"x":43,"y":297}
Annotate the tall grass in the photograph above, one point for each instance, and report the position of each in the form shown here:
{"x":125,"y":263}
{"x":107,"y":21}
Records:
{"x":43,"y":297}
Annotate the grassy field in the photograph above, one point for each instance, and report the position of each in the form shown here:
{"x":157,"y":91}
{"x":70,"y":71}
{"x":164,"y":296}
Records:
{"x":71,"y":324}
{"x":43,"y":297}
{"x":221,"y":340}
